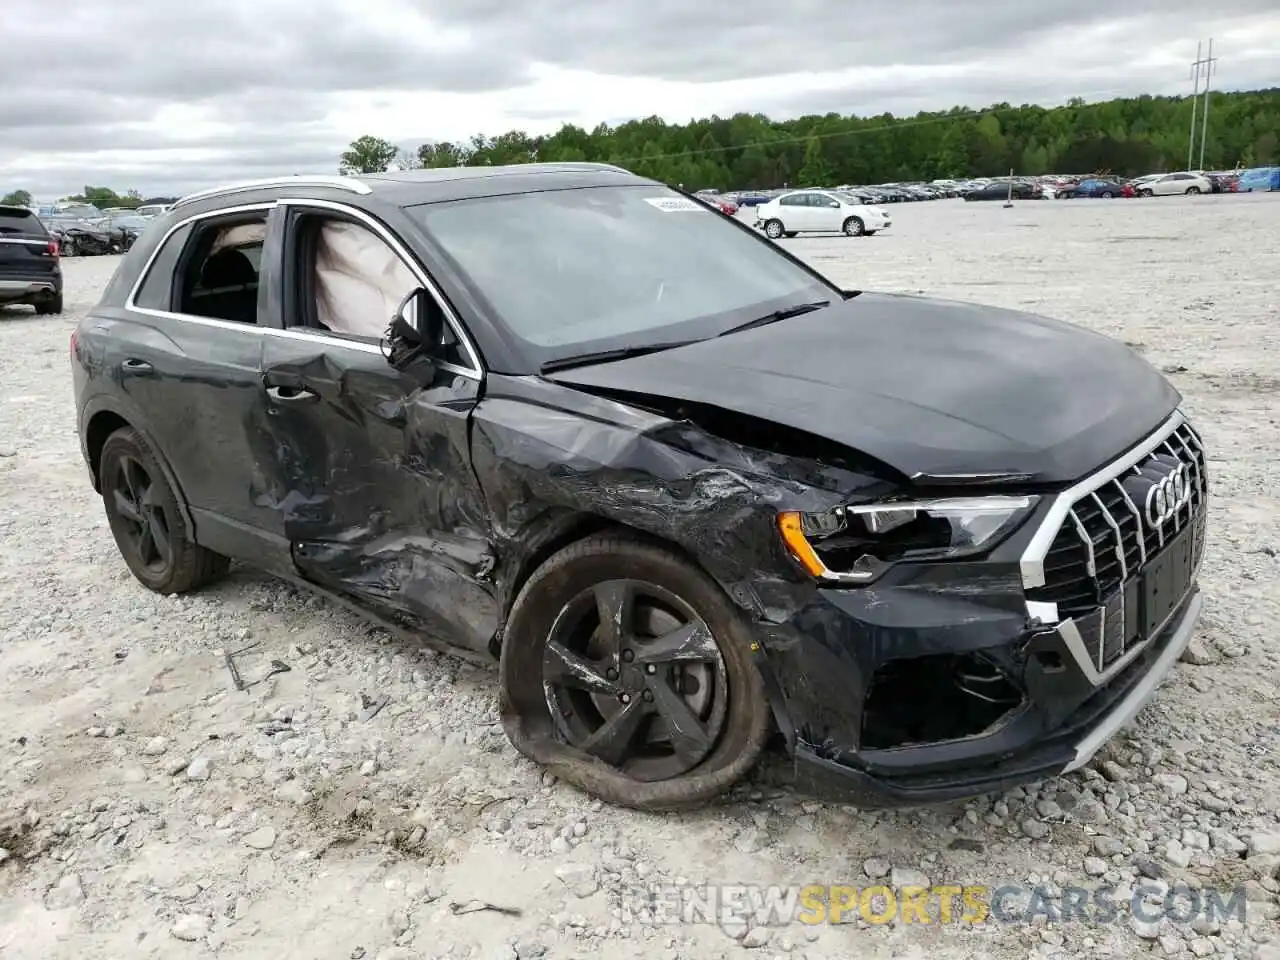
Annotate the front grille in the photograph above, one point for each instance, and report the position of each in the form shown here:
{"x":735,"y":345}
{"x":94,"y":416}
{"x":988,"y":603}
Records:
{"x":1091,"y":568}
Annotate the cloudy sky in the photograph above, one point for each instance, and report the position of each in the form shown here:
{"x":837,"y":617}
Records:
{"x":153,"y":95}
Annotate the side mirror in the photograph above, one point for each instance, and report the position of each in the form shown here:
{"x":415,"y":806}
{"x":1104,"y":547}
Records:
{"x":415,"y":330}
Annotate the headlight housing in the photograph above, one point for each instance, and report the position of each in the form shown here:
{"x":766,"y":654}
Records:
{"x":856,"y":544}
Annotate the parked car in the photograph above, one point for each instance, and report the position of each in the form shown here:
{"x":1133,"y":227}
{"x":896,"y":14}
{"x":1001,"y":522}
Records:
{"x":30,"y":267}
{"x":151,"y":209}
{"x":1000,"y":191}
{"x":820,"y":211}
{"x":687,"y":492}
{"x":84,"y":238}
{"x":1102,"y":187}
{"x":1176,"y":183}
{"x":718,"y":202}
{"x":1259,"y":179}
{"x":1223,"y":182}
{"x":752,"y":199}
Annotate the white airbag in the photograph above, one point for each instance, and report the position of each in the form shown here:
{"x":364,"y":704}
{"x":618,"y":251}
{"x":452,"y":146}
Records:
{"x":360,"y":281}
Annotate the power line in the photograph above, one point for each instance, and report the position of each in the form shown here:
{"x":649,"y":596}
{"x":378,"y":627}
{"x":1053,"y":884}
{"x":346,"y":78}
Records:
{"x":1205,"y":63}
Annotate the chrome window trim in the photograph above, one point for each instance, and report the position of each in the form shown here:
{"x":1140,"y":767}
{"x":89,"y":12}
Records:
{"x":1031,"y":564}
{"x":243,"y":186}
{"x":293,"y":332}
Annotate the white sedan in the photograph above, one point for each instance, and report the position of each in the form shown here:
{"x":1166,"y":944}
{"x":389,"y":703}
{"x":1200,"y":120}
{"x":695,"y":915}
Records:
{"x":819,"y":211}
{"x":1175,"y":183}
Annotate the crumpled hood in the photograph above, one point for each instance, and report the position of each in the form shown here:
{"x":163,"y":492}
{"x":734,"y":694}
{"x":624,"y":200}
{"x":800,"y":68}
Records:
{"x":933,"y":388}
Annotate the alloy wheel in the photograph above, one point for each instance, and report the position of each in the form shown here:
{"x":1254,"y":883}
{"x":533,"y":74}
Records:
{"x":633,"y":676}
{"x":135,"y":499}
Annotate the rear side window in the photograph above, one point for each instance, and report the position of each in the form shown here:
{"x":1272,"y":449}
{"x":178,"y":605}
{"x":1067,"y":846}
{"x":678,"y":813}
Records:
{"x":155,"y":292}
{"x":21,"y":221}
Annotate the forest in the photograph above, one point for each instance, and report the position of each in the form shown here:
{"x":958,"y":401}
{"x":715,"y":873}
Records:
{"x":1125,"y":137}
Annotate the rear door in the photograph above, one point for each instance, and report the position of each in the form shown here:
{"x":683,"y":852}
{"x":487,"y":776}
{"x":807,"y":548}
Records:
{"x":28,"y":262}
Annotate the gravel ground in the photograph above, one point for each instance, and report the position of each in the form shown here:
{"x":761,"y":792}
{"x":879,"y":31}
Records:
{"x":150,"y":810}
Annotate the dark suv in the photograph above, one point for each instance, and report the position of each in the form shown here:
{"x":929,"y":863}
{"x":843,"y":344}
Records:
{"x":690,"y":494}
{"x":30,"y":268}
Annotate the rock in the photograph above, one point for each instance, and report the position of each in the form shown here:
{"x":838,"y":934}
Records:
{"x":1177,"y":854}
{"x":1202,"y":947}
{"x":190,"y":927}
{"x":1034,"y":829}
{"x":749,"y":841}
{"x":199,"y":768}
{"x":901,"y":877}
{"x":1146,"y":929}
{"x":529,"y":949}
{"x":1114,"y":772}
{"x":155,"y":746}
{"x":1107,"y":846}
{"x":876,"y":868}
{"x":1171,"y":783}
{"x":1148,"y":868}
{"x":185,"y":892}
{"x":264,"y":838}
{"x":1049,"y":809}
{"x":757,"y":937}
{"x":1095,"y":866}
{"x":580,"y":878}
{"x":1198,"y":653}
{"x":1264,"y":844}
{"x":67,"y":893}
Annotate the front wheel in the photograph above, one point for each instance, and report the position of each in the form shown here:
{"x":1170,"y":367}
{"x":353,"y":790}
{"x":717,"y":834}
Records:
{"x":1145,"y":193}
{"x":1192,"y":191}
{"x":627,"y":672}
{"x":69,"y":248}
{"x":1107,"y":194}
{"x":854,"y":227}
{"x":773,"y":229}
{"x":142,"y":511}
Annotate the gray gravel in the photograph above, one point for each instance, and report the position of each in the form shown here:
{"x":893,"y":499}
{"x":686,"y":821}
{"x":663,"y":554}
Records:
{"x":150,"y":810}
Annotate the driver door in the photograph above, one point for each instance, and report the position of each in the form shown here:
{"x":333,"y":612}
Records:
{"x":372,"y":481}
{"x":827,"y":213}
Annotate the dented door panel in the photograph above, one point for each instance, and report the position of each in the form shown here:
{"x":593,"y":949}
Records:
{"x":369,"y":473}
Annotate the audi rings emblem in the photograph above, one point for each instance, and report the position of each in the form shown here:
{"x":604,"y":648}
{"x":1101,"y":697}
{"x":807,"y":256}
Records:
{"x":1168,"y":496}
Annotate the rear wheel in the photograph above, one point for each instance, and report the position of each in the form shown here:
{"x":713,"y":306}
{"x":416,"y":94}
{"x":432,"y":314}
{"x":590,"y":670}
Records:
{"x":1106,"y":194}
{"x":142,"y":511}
{"x":773,"y":229}
{"x":854,"y":227}
{"x":69,"y":248}
{"x":1145,"y":193}
{"x":47,"y":308}
{"x":1192,"y":191}
{"x":627,"y":672}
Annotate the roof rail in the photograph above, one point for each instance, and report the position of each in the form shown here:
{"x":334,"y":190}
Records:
{"x":335,"y":182}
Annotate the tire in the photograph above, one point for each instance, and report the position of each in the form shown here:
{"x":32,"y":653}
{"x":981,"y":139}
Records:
{"x":51,"y":306}
{"x":157,"y":552}
{"x":552,"y":725}
{"x":854,"y":227}
{"x":1145,"y":193}
{"x":1106,"y":194}
{"x":69,"y":248}
{"x":773,"y":229}
{"x":1193,"y":191}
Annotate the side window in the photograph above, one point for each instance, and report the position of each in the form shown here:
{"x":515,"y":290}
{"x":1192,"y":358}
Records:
{"x":154,"y":293}
{"x":352,"y":282}
{"x":217,"y":276}
{"x":794,"y":200}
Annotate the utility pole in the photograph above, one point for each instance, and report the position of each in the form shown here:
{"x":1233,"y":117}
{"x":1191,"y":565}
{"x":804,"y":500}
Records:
{"x":1195,"y":100}
{"x":1209,"y":62}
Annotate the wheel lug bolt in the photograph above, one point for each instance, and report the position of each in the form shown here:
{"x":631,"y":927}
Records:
{"x":625,"y":698}
{"x":611,"y":674}
{"x":628,"y":655}
{"x":650,"y":669}
{"x":648,"y":695}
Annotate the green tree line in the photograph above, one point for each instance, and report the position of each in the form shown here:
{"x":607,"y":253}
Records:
{"x":1128,"y":137}
{"x":100,"y":197}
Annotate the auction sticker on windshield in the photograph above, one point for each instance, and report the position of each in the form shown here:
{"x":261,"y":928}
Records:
{"x":674,"y":204}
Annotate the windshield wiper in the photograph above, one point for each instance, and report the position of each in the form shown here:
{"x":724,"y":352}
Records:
{"x":608,"y":356}
{"x":786,"y":313}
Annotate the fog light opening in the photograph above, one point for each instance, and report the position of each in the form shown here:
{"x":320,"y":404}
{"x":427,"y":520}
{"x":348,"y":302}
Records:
{"x":935,"y":699}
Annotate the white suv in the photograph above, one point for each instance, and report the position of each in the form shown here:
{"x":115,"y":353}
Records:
{"x":819,"y":211}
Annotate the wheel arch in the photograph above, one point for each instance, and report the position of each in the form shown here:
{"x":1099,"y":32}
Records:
{"x":101,"y":424}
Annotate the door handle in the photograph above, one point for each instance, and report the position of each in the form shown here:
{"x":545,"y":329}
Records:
{"x":292,"y":395}
{"x":134,"y":365}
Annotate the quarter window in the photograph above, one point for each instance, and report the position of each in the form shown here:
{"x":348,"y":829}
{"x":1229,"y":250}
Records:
{"x":156,"y":289}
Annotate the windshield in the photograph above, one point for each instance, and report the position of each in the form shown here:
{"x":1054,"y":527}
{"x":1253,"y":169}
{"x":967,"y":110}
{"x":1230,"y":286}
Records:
{"x":572,"y":271}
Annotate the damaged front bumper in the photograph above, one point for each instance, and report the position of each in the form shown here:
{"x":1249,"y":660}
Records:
{"x":1033,"y":741}
{"x":949,"y":680}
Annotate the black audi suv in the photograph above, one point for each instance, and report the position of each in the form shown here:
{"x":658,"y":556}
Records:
{"x":692,"y":497}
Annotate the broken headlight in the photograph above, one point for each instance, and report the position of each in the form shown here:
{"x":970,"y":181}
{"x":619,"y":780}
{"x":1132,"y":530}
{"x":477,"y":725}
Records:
{"x":856,"y":544}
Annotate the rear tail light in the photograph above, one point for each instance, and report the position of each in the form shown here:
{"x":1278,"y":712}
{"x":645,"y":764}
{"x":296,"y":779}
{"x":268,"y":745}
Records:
{"x":52,"y":249}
